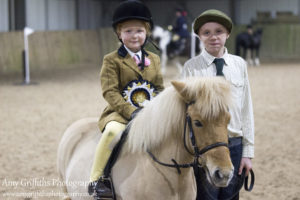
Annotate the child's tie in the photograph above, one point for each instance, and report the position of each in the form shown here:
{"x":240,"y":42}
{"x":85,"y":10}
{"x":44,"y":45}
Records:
{"x":219,"y":62}
{"x":137,"y":60}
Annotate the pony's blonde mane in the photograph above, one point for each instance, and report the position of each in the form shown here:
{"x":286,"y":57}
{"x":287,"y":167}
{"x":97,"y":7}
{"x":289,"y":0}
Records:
{"x":165,"y":114}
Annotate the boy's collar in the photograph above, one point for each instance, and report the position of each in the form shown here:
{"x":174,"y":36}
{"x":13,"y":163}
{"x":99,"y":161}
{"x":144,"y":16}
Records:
{"x":122,"y":51}
{"x":210,"y":58}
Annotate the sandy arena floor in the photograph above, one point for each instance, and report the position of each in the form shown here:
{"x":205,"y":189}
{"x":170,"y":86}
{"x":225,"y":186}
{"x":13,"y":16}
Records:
{"x":33,"y":119}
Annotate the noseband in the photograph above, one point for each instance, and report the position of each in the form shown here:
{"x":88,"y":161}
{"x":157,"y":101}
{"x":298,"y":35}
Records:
{"x":197,"y":153}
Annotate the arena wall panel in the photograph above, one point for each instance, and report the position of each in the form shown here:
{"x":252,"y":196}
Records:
{"x":67,"y":49}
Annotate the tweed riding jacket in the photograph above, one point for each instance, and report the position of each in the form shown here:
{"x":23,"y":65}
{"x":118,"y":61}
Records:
{"x":118,"y":70}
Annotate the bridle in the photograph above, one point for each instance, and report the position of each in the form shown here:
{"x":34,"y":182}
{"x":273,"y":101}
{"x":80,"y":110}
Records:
{"x":197,"y":153}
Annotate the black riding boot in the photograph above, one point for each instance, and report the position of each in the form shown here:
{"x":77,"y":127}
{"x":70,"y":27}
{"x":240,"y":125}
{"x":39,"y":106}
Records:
{"x":101,"y":189}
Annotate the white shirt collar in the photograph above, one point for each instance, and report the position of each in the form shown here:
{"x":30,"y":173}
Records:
{"x":132,"y":54}
{"x":209,"y":59}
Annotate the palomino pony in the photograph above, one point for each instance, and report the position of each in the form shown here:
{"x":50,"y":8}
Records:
{"x":185,"y":125}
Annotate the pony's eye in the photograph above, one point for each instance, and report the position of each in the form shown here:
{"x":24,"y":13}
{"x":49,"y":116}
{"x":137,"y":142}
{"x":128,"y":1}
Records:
{"x":198,"y":123}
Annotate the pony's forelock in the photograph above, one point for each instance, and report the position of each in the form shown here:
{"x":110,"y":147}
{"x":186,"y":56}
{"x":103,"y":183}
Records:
{"x":211,"y":95}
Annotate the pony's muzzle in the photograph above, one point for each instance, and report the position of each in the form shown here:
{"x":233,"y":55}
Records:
{"x":221,"y":178}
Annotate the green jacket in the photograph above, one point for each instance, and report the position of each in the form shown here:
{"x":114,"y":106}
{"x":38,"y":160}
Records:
{"x":118,"y":70}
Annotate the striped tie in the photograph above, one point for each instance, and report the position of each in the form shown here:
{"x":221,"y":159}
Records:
{"x":138,"y":57}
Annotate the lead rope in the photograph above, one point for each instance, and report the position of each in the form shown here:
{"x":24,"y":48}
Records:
{"x":142,"y":63}
{"x":153,"y":43}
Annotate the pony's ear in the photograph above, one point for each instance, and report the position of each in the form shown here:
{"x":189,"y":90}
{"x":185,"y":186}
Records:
{"x":179,"y":86}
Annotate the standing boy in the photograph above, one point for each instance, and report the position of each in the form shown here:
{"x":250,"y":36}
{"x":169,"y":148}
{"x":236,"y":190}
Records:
{"x":213,"y":28}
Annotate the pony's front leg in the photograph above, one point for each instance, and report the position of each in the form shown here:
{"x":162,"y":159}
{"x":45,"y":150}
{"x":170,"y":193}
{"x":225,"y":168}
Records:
{"x":256,"y":61}
{"x":250,"y":60}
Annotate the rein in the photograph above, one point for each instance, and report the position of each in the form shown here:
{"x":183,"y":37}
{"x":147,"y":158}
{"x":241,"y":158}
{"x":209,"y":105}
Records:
{"x":197,"y":154}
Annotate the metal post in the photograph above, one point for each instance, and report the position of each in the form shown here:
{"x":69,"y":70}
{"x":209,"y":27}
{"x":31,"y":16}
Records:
{"x":27,"y":32}
{"x":27,"y":75}
{"x":193,"y":43}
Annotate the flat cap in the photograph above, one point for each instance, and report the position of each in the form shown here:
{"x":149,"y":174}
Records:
{"x":212,"y":15}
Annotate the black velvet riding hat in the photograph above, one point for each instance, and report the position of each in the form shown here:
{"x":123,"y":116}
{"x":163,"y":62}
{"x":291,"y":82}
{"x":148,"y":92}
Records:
{"x":132,"y":9}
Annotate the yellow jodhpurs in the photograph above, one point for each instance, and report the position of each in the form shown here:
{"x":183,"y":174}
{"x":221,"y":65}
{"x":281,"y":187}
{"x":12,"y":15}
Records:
{"x":103,"y":151}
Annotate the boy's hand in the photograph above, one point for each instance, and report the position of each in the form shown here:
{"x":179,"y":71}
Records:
{"x":247,"y":164}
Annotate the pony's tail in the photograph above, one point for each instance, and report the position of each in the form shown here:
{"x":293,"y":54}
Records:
{"x":68,"y":142}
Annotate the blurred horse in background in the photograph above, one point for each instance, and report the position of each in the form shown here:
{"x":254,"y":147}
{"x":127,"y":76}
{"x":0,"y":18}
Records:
{"x":172,"y":47}
{"x":249,"y":41}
